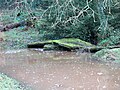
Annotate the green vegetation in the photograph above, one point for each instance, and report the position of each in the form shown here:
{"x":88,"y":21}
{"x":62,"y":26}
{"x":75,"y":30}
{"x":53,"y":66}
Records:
{"x":89,"y":25}
{"x":94,"y":21}
{"x":65,"y":44}
{"x":17,"y":39}
{"x":108,"y":55}
{"x":7,"y":83}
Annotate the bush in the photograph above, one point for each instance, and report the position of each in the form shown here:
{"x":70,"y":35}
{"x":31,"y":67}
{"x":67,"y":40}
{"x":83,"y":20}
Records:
{"x":90,"y":20}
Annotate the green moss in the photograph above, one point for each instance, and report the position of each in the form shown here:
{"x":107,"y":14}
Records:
{"x":72,"y":43}
{"x":18,"y":38}
{"x":65,"y":43}
{"x":50,"y":47}
{"x":7,"y":83}
{"x":108,"y":55}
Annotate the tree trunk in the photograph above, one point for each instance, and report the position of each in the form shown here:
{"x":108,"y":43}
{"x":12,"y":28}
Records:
{"x":14,"y":25}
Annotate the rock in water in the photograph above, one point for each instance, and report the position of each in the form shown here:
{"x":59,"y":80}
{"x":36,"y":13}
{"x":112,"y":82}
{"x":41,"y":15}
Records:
{"x":68,"y":44}
{"x":108,"y":55}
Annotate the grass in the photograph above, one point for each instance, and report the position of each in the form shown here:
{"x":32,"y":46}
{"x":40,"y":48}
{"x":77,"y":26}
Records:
{"x":7,"y":83}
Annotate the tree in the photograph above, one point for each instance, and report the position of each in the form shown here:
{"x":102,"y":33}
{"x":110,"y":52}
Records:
{"x":85,"y":19}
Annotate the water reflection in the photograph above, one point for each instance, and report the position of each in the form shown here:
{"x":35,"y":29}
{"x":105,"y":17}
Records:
{"x":59,"y":70}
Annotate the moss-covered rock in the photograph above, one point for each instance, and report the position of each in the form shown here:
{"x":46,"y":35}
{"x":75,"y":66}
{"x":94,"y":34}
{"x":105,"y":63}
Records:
{"x":63,"y":44}
{"x":50,"y":47}
{"x":108,"y":55}
{"x":7,"y":83}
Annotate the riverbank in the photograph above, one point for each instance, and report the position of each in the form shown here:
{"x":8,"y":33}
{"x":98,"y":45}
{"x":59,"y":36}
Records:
{"x":7,"y":83}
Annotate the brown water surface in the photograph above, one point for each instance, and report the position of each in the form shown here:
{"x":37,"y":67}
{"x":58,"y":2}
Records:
{"x":59,"y":70}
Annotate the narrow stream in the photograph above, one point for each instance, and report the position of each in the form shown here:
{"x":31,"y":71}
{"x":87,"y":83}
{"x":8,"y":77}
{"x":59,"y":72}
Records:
{"x":59,"y":70}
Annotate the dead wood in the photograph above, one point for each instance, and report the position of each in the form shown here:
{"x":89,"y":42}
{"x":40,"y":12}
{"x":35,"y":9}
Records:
{"x":14,"y":25}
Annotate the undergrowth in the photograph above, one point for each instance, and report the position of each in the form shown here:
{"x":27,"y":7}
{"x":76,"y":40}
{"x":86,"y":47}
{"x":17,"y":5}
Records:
{"x":90,"y":20}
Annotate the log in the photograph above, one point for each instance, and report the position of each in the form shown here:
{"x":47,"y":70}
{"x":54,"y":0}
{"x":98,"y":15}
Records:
{"x":14,"y":25}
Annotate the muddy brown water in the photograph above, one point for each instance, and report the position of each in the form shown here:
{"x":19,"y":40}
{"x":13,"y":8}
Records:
{"x":59,"y":70}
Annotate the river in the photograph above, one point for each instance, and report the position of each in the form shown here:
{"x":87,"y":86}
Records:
{"x":56,"y":70}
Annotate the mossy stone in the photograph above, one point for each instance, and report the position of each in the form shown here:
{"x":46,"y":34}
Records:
{"x":65,"y":44}
{"x":108,"y":55}
{"x":50,"y":47}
